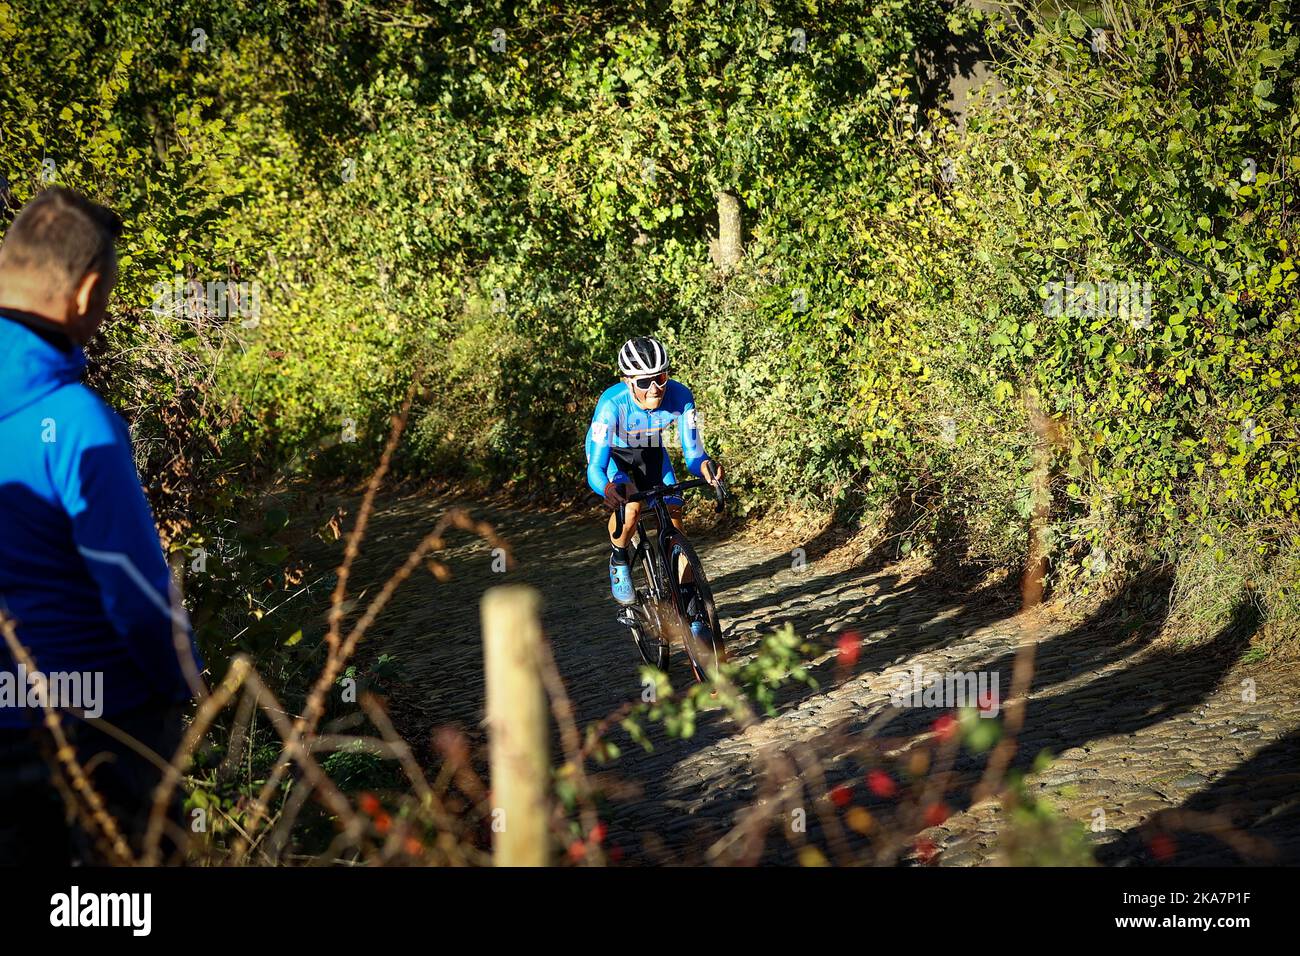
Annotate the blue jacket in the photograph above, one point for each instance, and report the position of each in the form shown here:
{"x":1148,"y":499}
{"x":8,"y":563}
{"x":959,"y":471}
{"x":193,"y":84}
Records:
{"x":619,"y":422}
{"x":81,"y":568}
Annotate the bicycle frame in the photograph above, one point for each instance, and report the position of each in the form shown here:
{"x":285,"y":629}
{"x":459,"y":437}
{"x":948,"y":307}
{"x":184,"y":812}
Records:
{"x":664,"y":525}
{"x":654,"y":499}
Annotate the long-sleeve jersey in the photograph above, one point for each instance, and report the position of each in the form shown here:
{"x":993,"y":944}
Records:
{"x":619,"y":422}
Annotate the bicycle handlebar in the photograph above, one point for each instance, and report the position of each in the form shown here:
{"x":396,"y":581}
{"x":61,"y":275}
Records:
{"x":719,"y":490}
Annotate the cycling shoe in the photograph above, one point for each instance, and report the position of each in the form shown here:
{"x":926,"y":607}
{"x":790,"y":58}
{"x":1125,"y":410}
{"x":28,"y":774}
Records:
{"x":620,"y":583}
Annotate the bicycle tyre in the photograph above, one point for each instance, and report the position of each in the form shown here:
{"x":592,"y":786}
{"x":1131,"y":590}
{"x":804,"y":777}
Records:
{"x":651,"y":643}
{"x":704,"y":656}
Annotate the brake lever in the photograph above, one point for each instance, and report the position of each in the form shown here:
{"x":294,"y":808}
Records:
{"x":720,"y":492}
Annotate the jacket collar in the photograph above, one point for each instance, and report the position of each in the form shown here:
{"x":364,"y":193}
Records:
{"x":36,"y":358}
{"x":51,"y":332}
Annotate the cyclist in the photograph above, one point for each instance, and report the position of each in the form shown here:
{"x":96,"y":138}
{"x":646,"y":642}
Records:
{"x":625,"y":446}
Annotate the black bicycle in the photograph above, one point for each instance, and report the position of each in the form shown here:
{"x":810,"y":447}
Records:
{"x":665,"y":608}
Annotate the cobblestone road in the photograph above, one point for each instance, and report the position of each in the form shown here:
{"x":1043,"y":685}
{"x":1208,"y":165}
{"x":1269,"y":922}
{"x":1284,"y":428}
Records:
{"x":1137,"y":725}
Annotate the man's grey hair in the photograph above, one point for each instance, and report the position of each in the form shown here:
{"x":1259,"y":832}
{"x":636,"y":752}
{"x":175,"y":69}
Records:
{"x":62,"y":235}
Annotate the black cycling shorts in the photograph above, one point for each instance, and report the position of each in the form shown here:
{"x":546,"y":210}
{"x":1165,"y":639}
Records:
{"x":644,"y":467}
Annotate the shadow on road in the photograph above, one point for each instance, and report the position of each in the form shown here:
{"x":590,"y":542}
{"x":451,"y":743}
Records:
{"x":1249,"y":815}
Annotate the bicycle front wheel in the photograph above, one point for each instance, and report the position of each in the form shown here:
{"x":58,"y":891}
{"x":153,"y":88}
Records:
{"x":707,"y":649}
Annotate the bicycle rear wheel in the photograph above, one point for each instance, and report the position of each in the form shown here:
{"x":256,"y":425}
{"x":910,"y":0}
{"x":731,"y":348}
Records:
{"x":709,"y":649}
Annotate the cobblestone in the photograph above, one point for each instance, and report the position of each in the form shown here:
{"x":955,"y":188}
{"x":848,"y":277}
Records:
{"x":1135,"y":729}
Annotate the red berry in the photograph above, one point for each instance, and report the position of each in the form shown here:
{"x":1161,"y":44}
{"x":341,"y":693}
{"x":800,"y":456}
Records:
{"x":841,"y":795}
{"x":926,"y":850}
{"x":577,"y":850}
{"x":1162,"y":846}
{"x":597,"y":834}
{"x":944,"y":727}
{"x":881,"y":784}
{"x":369,"y":804}
{"x":850,"y":646}
{"x":382,"y":822}
{"x":935,"y":814}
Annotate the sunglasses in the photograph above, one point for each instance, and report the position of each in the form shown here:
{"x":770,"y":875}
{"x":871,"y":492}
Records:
{"x":647,"y":381}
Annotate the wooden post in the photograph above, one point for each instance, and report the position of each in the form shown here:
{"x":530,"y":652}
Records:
{"x":517,"y":725}
{"x":728,"y":250}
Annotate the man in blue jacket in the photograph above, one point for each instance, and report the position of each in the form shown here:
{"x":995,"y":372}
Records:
{"x":82,"y":575}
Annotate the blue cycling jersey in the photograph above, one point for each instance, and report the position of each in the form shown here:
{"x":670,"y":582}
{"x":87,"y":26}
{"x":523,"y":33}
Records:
{"x":619,"y":424}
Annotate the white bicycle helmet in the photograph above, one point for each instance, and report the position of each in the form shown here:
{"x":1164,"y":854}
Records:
{"x":643,"y":355}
